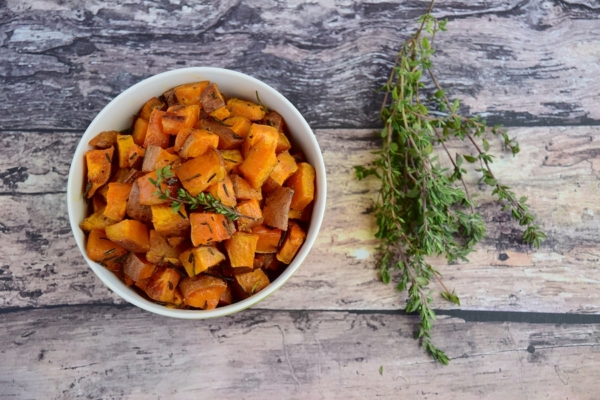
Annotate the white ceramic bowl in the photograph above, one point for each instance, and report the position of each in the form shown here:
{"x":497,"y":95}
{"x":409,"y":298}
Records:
{"x":117,"y":116}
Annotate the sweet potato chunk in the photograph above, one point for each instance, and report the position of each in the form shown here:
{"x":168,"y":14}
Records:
{"x":260,"y":159}
{"x":199,"y":259}
{"x":162,"y":284}
{"x":116,"y":200}
{"x":202,"y":291}
{"x":211,"y":98}
{"x":176,"y":241}
{"x":268,"y":239}
{"x":147,"y":190}
{"x":283,"y":143}
{"x":274,"y":119}
{"x":155,"y":134}
{"x":226,"y":298}
{"x":190,"y":93}
{"x":136,"y":210}
{"x":266,"y":261}
{"x":223,"y":191}
{"x":243,"y":190}
{"x":252,"y":214}
{"x":124,"y":144}
{"x":241,"y":248}
{"x":220,"y":113}
{"x":139,"y":131}
{"x":199,"y":173}
{"x":292,"y":243}
{"x":243,"y":108}
{"x":260,"y":133}
{"x":98,"y":169}
{"x":137,"y":267}
{"x":208,"y":227}
{"x":239,"y":125}
{"x":130,"y":234}
{"x":303,"y":183}
{"x":105,"y":139}
{"x":252,"y":282}
{"x":233,"y":159}
{"x":161,"y":252}
{"x":167,"y":222}
{"x":171,"y":98}
{"x":286,"y":167}
{"x":277,"y":208}
{"x":228,"y":139}
{"x":156,"y":157}
{"x":197,"y":143}
{"x":135,"y":156}
{"x":149,"y":107}
{"x":98,"y":203}
{"x":102,"y":250}
{"x":96,"y":221}
{"x":179,"y":117}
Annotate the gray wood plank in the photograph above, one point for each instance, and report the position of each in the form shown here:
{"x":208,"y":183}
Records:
{"x":519,"y":63}
{"x":109,"y":352}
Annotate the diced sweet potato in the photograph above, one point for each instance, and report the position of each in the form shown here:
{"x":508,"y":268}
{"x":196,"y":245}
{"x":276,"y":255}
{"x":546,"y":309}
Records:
{"x":208,"y":227}
{"x":98,"y":169}
{"x":123,"y":175}
{"x":178,"y":300}
{"x":257,"y":167}
{"x":162,"y":284}
{"x":139,"y":131}
{"x":228,"y":139}
{"x":266,"y":261}
{"x":220,"y":113}
{"x":155,"y":134}
{"x":277,"y":208}
{"x":197,"y":143}
{"x":243,"y":108}
{"x":147,"y":190}
{"x":156,"y":157}
{"x":283,"y":143}
{"x":102,"y":250}
{"x":226,"y":298}
{"x":98,"y":203}
{"x":243,"y":190}
{"x":241,"y":248}
{"x":252,"y":282}
{"x":199,"y":173}
{"x":135,"y":156}
{"x":303,"y":183}
{"x":96,"y":221}
{"x":190,"y":93}
{"x":252,"y":214}
{"x":233,"y":159}
{"x":202,"y":291}
{"x":149,"y":107}
{"x":116,"y":200}
{"x":181,"y":137}
{"x":211,"y":98}
{"x":136,"y":210}
{"x":130,"y":234}
{"x":175,"y":241}
{"x":268,"y":239}
{"x":170,"y":98}
{"x":161,"y":252}
{"x":105,"y":139}
{"x":223,"y":191}
{"x":179,"y":117}
{"x":260,"y":133}
{"x":292,"y":243}
{"x":167,"y":222}
{"x":274,"y":119}
{"x":137,"y":267}
{"x":295,"y":214}
{"x":124,"y":144}
{"x":239,"y":125}
{"x":286,"y":167}
{"x":199,"y":259}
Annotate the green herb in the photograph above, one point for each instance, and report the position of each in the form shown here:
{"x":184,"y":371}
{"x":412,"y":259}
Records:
{"x":88,"y":187}
{"x":133,"y":155}
{"x":381,"y":370}
{"x":107,"y":252}
{"x":254,"y":287}
{"x":108,"y":158}
{"x":260,"y":103}
{"x":424,"y":209}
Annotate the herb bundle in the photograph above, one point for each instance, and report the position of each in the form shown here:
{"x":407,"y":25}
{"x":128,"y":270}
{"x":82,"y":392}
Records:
{"x":424,"y":209}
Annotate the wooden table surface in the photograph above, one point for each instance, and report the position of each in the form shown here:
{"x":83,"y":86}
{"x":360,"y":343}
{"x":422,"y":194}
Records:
{"x":528,"y":327}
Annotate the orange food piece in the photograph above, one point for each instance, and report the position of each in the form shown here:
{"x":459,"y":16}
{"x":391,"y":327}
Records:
{"x":199,"y":173}
{"x":220,"y":113}
{"x":277,"y":208}
{"x":202,"y":291}
{"x":283,"y":143}
{"x":190,"y":93}
{"x":175,"y":241}
{"x":266,"y":261}
{"x":208,"y":227}
{"x":243,"y":108}
{"x":116,"y":200}
{"x":268,"y":239}
{"x":155,"y":134}
{"x":260,"y":157}
{"x":137,"y":267}
{"x":147,"y":190}
{"x":98,"y":168}
{"x":223,"y":191}
{"x":136,"y":210}
{"x":303,"y":183}
{"x":286,"y":167}
{"x":274,"y":119}
{"x":167,"y":222}
{"x":156,"y":157}
{"x":130,"y":234}
{"x":135,"y":156}
{"x":162,"y":284}
{"x":199,"y":259}
{"x":252,"y":214}
{"x":228,"y":139}
{"x":124,"y":144}
{"x":241,"y":248}
{"x":178,"y":299}
{"x":179,"y":117}
{"x":252,"y":282}
{"x":243,"y":190}
{"x":211,"y":98}
{"x":227,"y":297}
{"x":150,"y":105}
{"x":96,"y":221}
{"x":233,"y":159}
{"x":161,"y":252}
{"x":139,"y":131}
{"x":292,"y":243}
{"x":103,"y":251}
{"x":197,"y":143}
{"x":239,"y":125}
{"x":105,"y":139}
{"x":260,"y":133}
{"x":98,"y":203}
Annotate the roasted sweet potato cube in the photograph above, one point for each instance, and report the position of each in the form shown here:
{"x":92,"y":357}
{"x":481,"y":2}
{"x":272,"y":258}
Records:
{"x":178,"y":299}
{"x":239,"y":125}
{"x":286,"y":167}
{"x":190,"y":93}
{"x":211,"y":98}
{"x":156,"y":157}
{"x":228,"y":139}
{"x":124,"y":144}
{"x":202,"y":291}
{"x":220,"y":113}
{"x":208,"y":228}
{"x":199,"y":259}
{"x":149,"y":107}
{"x":253,"y":282}
{"x":252,"y":214}
{"x":98,"y":203}
{"x":226,"y":298}
{"x":181,"y":137}
{"x":233,"y":159}
{"x":268,"y":239}
{"x":179,"y":117}
{"x":162,"y":284}
{"x":241,"y":248}
{"x":102,"y":250}
{"x":147,"y":190}
{"x":105,"y":139}
{"x":295,"y":214}
{"x":266,"y":262}
{"x":176,"y":241}
{"x":161,"y":252}
{"x":137,"y":267}
{"x":135,"y":156}
{"x":243,"y":190}
{"x":257,"y":167}
{"x":274,"y":119}
{"x":283,"y":143}
{"x":223,"y":191}
{"x":167,"y":222}
{"x":136,"y":210}
{"x":277,"y":208}
{"x":243,"y":108}
{"x":98,"y":169}
{"x":197,"y":143}
{"x":155,"y":134}
{"x":96,"y":221}
{"x":171,"y":98}
{"x":139,"y":131}
{"x":116,"y":200}
{"x":130,"y":234}
{"x":292,"y":243}
{"x":260,"y":133}
{"x":199,"y":173}
{"x":303,"y":183}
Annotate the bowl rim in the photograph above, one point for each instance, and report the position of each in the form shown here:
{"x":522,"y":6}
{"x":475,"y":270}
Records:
{"x":130,"y":295}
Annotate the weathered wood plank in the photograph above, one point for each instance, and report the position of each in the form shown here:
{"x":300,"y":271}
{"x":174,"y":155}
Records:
{"x":517,"y":63}
{"x":108,"y":352}
{"x":558,"y":170}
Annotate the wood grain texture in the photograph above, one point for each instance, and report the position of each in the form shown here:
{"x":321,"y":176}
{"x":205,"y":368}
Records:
{"x":558,"y":169}
{"x":121,"y":353}
{"x":516,"y":62}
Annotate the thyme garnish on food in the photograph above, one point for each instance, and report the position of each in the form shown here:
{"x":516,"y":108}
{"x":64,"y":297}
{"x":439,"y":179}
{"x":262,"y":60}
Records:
{"x":424,"y":209}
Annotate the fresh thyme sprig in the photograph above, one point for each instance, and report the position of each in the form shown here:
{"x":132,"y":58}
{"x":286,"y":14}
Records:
{"x":420,"y":211}
{"x":205,"y":200}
